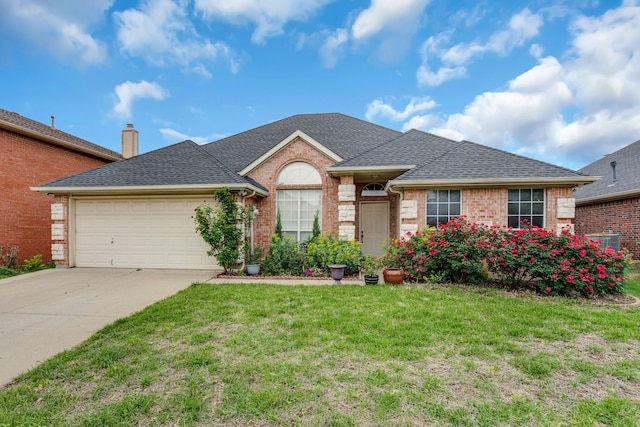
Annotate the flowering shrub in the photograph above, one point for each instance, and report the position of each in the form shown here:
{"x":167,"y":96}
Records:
{"x":460,"y":251}
{"x":454,"y":252}
{"x":567,"y":265}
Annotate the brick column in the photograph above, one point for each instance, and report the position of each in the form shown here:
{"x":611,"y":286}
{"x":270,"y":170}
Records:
{"x":565,"y":213}
{"x":60,"y":231}
{"x":408,"y":216}
{"x":347,"y":208}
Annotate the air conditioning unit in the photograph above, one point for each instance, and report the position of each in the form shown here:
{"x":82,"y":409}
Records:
{"x":612,"y":240}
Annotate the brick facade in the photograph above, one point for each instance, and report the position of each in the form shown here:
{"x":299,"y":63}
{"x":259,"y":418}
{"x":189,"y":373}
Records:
{"x":26,"y":215}
{"x":613,"y":217}
{"x":267,"y":175}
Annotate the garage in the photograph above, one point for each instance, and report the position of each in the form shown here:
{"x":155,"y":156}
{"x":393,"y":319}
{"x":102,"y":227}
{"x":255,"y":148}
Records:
{"x":139,"y":233}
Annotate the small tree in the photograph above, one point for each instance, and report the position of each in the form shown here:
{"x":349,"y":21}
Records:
{"x":278,"y":225}
{"x":315,"y":231}
{"x":220,"y":228}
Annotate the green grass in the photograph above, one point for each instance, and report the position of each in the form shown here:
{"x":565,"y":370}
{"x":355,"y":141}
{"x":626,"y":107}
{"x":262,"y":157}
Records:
{"x":344,"y":355}
{"x":633,"y":280}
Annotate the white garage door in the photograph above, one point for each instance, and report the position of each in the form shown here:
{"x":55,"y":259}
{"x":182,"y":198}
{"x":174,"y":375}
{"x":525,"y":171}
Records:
{"x":139,"y":233}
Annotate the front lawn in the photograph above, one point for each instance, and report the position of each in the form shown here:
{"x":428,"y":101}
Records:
{"x":344,"y":355}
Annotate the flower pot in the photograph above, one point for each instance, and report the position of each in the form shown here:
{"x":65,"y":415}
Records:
{"x":393,"y":276}
{"x":337,"y":272}
{"x":253,"y":269}
{"x":371,"y":279}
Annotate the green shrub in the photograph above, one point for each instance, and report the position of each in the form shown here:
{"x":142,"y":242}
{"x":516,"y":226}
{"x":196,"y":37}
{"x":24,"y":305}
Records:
{"x":7,"y":272}
{"x":285,"y":257}
{"x":327,"y":249}
{"x":33,"y":264}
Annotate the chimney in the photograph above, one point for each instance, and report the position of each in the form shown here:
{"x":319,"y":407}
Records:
{"x":613,"y":170}
{"x":129,"y":142}
{"x":53,"y":122}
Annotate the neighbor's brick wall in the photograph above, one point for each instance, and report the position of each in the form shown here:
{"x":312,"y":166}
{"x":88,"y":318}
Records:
{"x":267,"y":174}
{"x":617,"y":217}
{"x":26,"y":215}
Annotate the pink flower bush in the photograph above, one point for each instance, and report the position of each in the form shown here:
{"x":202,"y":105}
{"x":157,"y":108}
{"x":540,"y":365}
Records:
{"x":464,"y":252}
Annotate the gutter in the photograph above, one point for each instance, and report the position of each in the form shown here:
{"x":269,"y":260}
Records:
{"x":608,"y":197}
{"x":489,"y":182}
{"x":185,"y":189}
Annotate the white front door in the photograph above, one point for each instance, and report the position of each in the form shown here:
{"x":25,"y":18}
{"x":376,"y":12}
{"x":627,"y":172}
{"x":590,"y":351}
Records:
{"x":374,"y":226}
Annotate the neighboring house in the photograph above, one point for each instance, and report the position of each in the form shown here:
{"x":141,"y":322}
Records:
{"x":612,"y":204}
{"x":33,"y":153}
{"x":365,"y":181}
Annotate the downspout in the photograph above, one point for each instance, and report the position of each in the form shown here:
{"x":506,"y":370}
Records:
{"x":401,"y":194}
{"x":244,"y":197}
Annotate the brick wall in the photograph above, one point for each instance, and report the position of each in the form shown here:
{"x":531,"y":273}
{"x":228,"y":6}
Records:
{"x":617,"y":217}
{"x":267,"y":174}
{"x":26,"y":215}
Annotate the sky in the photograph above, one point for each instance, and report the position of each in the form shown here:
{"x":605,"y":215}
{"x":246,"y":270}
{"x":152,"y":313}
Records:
{"x":557,"y":81}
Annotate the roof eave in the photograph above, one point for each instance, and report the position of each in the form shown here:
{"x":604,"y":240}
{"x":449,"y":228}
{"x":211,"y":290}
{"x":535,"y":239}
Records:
{"x":348,"y":170}
{"x":56,"y":141}
{"x":608,"y":197}
{"x":490,"y":182}
{"x":186,"y":189}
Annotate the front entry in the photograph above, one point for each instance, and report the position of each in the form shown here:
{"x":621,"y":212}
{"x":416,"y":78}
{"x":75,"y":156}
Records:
{"x":374,"y":226}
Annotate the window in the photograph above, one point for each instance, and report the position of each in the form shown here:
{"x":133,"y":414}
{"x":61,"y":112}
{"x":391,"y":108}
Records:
{"x":442,"y":206}
{"x":526,"y":204}
{"x":298,"y":207}
{"x":297,"y":210}
{"x":374,"y":189}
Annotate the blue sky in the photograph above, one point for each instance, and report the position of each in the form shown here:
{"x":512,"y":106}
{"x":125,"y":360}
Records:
{"x":553,"y":80}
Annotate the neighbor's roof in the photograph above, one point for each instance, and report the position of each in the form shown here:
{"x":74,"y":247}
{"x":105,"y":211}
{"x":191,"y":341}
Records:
{"x":22,"y":125}
{"x":177,"y":166}
{"x":627,"y":183}
{"x":342,"y":134}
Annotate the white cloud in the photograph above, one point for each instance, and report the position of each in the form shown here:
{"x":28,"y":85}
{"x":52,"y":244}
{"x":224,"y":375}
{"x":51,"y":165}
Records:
{"x":269,"y":16}
{"x":571,"y":112}
{"x":378,"y":108}
{"x":128,"y":92}
{"x":333,"y":47}
{"x":173,"y":136}
{"x":161,"y":32}
{"x":58,"y":27}
{"x":398,"y":15}
{"x":522,"y":27}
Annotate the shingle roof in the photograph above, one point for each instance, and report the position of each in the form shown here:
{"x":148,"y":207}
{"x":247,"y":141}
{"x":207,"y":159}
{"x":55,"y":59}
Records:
{"x":16,"y":122}
{"x":344,"y":135}
{"x":627,"y":173}
{"x":179,"y":164}
{"x":438,"y":158}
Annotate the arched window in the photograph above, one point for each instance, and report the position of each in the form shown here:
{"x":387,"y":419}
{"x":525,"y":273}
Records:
{"x":374,"y":189}
{"x":298,"y":207}
{"x":299,"y":173}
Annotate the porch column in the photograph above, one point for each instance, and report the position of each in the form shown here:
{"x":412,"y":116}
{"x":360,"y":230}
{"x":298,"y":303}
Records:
{"x":347,"y":208}
{"x":408,"y":216}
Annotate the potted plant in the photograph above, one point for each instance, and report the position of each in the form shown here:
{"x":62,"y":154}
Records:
{"x":253,"y":260}
{"x":370,"y":267}
{"x":392,"y":273}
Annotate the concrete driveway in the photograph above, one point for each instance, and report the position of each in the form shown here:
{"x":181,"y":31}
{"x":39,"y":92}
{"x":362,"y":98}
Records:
{"x":44,"y":313}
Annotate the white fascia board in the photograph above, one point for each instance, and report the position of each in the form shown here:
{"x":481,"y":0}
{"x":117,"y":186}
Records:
{"x":341,"y":170}
{"x":149,"y":189}
{"x":282,"y":144}
{"x":488,"y":182}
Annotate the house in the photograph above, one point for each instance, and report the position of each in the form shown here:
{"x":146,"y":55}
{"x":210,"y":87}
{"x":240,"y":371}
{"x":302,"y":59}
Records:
{"x":33,"y":153}
{"x":611,"y":206}
{"x":364,"y":181}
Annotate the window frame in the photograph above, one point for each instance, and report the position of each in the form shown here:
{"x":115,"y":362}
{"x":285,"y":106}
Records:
{"x":438,"y":203}
{"x":531,"y":206}
{"x":292,"y":206}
